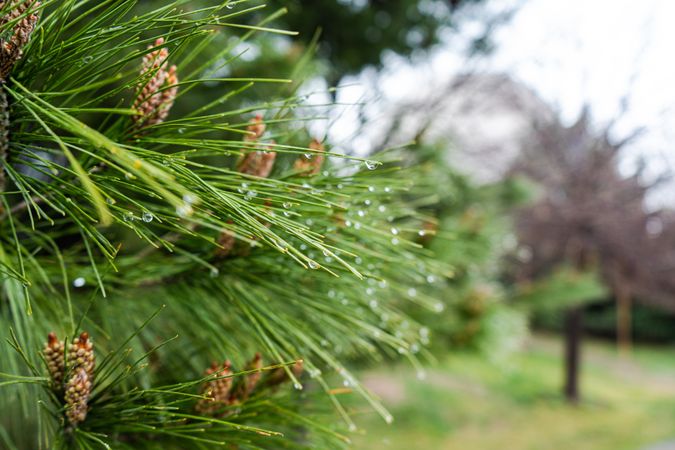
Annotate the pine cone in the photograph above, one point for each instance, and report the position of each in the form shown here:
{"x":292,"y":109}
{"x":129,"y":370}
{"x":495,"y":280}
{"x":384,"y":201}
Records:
{"x":81,"y":355}
{"x":156,"y":98}
{"x":217,"y":390}
{"x":54,"y":355}
{"x":77,"y":394}
{"x":257,"y":163}
{"x":11,"y":50}
{"x":310,"y":164}
{"x":249,"y":382}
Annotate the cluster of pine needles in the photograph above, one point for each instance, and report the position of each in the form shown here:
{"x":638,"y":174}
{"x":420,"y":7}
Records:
{"x":143,"y":212}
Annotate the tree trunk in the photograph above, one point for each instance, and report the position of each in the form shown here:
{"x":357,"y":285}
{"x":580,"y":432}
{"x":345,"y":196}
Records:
{"x":573,"y":329}
{"x":623,"y":320}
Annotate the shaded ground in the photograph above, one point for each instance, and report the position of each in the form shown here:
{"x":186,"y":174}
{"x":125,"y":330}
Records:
{"x":467,"y":403}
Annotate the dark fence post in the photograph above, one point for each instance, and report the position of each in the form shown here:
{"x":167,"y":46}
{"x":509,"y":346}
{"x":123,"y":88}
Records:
{"x":573,"y":330}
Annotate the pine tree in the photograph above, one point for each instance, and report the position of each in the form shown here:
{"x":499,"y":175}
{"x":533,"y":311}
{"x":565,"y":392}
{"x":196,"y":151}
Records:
{"x":178,"y":274}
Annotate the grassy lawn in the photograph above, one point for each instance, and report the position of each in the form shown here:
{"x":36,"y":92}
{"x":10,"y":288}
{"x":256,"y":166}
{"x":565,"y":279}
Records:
{"x":468,"y":403}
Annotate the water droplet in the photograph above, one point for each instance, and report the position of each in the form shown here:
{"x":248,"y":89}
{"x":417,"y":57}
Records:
{"x":394,"y":241}
{"x":87,"y":59}
{"x":147,"y":217}
{"x":387,"y":189}
{"x":439,"y":307}
{"x":214,"y":272}
{"x":381,"y":208}
{"x":352,"y":427}
{"x":339,"y":186}
{"x":424,"y":332}
{"x":394,"y":231}
{"x":431,"y":279}
{"x":412,"y":292}
{"x":358,"y":260}
{"x":361,"y":213}
{"x":373,"y":304}
{"x":306,"y":186}
{"x":189,"y":199}
{"x":348,"y":223}
{"x":287,"y":214}
{"x":287,"y":205}
{"x":281,"y":245}
{"x":371,"y":189}
{"x":229,"y":5}
{"x":309,"y":222}
{"x":128,"y":217}
{"x":402,"y":350}
{"x":388,"y":418}
{"x":184,"y":210}
{"x":297,"y":386}
{"x":371,"y":165}
{"x":110,"y":201}
{"x":357,"y":225}
{"x":181,"y":131}
{"x":79,"y":282}
{"x":331,"y":294}
{"x":421,"y":233}
{"x":421,"y":375}
{"x":129,"y":176}
{"x":367,"y":202}
{"x":313,"y":265}
{"x":370,"y":291}
{"x":415,"y":348}
{"x":308,"y":155}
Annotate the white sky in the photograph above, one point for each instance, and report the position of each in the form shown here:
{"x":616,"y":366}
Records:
{"x":572,"y":52}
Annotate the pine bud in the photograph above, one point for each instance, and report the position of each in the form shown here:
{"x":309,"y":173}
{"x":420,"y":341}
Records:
{"x":279,"y":376}
{"x":11,"y":50}
{"x":256,"y":129}
{"x":54,"y":355}
{"x":77,"y":394}
{"x":217,"y":391}
{"x":157,"y":96}
{"x":310,"y":164}
{"x":226,"y":240}
{"x":249,"y":382}
{"x":257,"y":163}
{"x":81,"y":355}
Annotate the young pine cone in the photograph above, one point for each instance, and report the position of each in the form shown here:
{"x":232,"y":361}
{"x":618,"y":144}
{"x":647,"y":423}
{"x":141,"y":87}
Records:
{"x":81,"y":355}
{"x":249,"y":381}
{"x":76,"y":396}
{"x":226,"y":240}
{"x":54,"y":355}
{"x":217,"y":391}
{"x":279,"y":376}
{"x":257,"y":163}
{"x":310,"y":164}
{"x":157,"y":96}
{"x":11,"y":50}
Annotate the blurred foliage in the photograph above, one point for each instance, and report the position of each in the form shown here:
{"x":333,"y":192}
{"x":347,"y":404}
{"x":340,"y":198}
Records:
{"x":356,"y":33}
{"x":562,"y":289}
{"x":469,"y":230}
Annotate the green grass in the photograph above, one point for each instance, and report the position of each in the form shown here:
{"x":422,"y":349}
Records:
{"x":468,"y":403}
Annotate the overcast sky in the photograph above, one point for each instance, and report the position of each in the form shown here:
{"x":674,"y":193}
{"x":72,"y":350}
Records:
{"x":572,"y":52}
